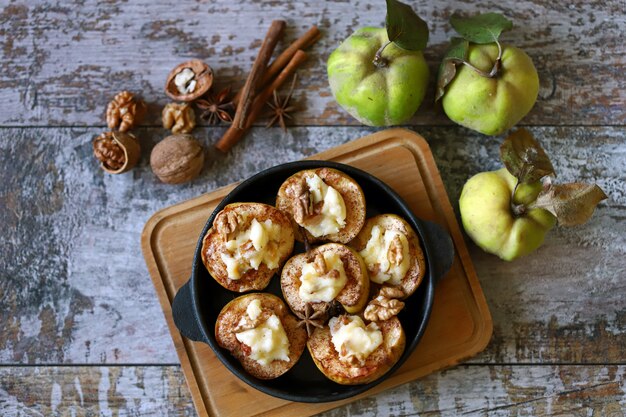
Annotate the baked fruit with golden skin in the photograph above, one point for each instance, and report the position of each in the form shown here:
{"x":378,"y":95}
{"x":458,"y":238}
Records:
{"x":261,"y":333}
{"x":392,"y":252}
{"x":326,"y":203}
{"x":328,"y":273}
{"x":247,"y":245}
{"x":349,"y":351}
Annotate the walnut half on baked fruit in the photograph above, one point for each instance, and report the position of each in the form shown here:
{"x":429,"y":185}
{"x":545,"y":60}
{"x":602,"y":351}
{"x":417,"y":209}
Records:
{"x":349,"y":351}
{"x":247,"y":245}
{"x":329,"y":273}
{"x":392,"y":252}
{"x":259,"y":331}
{"x":326,"y":203}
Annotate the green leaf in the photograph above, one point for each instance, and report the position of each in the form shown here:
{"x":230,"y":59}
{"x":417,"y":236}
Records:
{"x":457,"y":53}
{"x":404,"y":27}
{"x":482,"y":28}
{"x":524,"y":157}
{"x":572,"y":204}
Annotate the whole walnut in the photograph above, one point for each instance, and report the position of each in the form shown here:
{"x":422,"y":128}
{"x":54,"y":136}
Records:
{"x":177,"y":159}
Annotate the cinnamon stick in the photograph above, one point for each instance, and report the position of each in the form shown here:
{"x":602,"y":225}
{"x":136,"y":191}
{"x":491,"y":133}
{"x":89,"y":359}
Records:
{"x":261,"y":98}
{"x":256,"y":73}
{"x":233,"y":134}
{"x":309,"y":38}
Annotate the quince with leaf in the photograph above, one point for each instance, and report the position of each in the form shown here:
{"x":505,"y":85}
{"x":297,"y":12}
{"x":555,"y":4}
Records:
{"x":379,"y":75}
{"x":509,"y":211}
{"x":482,"y":84}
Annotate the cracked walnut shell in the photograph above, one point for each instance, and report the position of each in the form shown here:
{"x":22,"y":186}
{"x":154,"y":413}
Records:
{"x":189,"y":80}
{"x":125,"y":111}
{"x":179,"y":117}
{"x":117,"y":152}
{"x":177,"y":159}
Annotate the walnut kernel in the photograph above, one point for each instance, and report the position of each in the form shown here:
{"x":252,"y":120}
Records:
{"x":385,"y":305}
{"x":227,"y":223}
{"x":179,"y":117}
{"x":125,"y":111}
{"x":395,"y":255}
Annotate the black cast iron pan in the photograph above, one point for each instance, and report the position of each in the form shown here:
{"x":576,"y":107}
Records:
{"x":199,"y":301}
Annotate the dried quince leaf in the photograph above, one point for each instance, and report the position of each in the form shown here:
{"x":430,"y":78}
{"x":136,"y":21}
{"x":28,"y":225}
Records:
{"x":572,"y":204}
{"x":457,"y":53}
{"x":524,"y":157}
{"x":404,"y":27}
{"x":482,"y":28}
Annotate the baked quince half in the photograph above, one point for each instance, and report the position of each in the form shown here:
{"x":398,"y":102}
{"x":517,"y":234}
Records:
{"x":392,"y":252}
{"x":247,"y":245}
{"x":349,"y":351}
{"x":326,"y":203}
{"x":261,"y":333}
{"x":329,"y":273}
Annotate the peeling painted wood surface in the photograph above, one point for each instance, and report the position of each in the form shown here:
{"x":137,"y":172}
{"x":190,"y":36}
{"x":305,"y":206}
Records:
{"x":81,"y":330}
{"x":60,"y":63}
{"x":75,"y":289}
{"x":494,"y":391}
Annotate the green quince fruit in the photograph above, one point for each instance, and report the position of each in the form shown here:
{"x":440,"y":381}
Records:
{"x":492,"y":105}
{"x":383,"y":94}
{"x":490,"y":219}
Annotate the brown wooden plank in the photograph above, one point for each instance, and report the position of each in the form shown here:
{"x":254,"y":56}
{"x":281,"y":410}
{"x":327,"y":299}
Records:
{"x":60,"y":65}
{"x":473,"y":390}
{"x":74,"y":287}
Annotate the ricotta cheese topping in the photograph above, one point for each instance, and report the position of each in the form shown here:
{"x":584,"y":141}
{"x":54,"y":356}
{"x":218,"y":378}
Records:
{"x":352,"y":339}
{"x":268,"y":341}
{"x":254,"y":309}
{"x":315,"y":287}
{"x":248,"y":249}
{"x":376,"y":255}
{"x":332,"y":217}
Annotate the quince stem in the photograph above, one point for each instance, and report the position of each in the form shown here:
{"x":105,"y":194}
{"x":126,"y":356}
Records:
{"x":517,"y":209}
{"x":494,"y":70}
{"x":379,"y":61}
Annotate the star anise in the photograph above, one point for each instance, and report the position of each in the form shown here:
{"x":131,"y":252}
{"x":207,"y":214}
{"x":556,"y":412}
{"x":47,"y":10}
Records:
{"x":281,"y":108}
{"x":311,"y":318}
{"x":216,"y":107}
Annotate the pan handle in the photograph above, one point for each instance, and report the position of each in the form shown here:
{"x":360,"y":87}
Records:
{"x":184,"y":314}
{"x":442,"y":248}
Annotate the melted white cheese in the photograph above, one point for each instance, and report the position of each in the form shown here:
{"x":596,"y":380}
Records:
{"x":268,"y":341}
{"x":333,"y":215}
{"x":315,"y":288}
{"x":254,"y":309}
{"x":354,"y":339}
{"x":376,"y":252}
{"x":258,"y":244}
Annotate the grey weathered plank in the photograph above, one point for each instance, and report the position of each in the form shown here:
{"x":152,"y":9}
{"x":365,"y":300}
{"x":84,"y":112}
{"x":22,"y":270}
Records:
{"x":466,"y":390}
{"x":94,"y":391}
{"x":61,"y":63}
{"x":74,"y":288}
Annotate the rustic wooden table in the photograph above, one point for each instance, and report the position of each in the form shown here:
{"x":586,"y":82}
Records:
{"x":81,"y":330}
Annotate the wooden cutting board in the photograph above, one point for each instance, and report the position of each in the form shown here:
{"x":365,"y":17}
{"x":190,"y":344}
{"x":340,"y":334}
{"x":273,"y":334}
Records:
{"x":460,"y":325}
